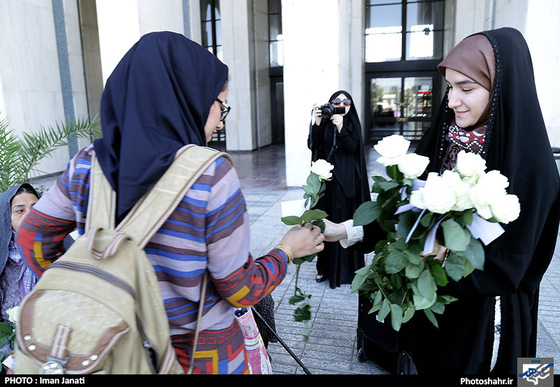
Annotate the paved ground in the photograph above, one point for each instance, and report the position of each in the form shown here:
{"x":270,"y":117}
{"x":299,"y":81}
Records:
{"x":331,"y":348}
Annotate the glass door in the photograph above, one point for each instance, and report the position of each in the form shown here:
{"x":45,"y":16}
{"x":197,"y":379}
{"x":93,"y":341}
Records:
{"x":400,"y":105}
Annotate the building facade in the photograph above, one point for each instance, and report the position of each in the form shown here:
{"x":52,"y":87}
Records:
{"x":284,"y":56}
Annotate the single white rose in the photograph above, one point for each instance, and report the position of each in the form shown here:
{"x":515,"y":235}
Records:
{"x":322,"y":168}
{"x":13,"y":314}
{"x":470,"y":164}
{"x":391,"y":149}
{"x":490,"y":188}
{"x":506,"y":209}
{"x":437,"y":196}
{"x":413,"y":165}
{"x":499,"y":181}
{"x":459,"y":188}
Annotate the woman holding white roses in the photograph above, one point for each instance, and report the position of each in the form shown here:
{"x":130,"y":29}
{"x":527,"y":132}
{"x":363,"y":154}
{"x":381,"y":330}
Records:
{"x":491,"y":109}
{"x":338,"y":140}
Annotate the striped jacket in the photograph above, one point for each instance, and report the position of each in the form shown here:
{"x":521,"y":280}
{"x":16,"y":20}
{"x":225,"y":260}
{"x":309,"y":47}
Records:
{"x":209,"y":230}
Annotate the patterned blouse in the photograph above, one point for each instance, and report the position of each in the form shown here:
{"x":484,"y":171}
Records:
{"x":209,"y":230}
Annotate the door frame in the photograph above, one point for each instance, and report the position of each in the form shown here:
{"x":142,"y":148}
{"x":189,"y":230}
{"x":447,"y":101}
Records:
{"x":401,"y":70}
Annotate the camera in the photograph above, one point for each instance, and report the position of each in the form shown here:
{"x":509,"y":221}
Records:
{"x":327,"y":110}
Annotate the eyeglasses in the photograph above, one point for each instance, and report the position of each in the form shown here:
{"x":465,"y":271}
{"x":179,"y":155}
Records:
{"x":337,"y":101}
{"x":225,"y":109}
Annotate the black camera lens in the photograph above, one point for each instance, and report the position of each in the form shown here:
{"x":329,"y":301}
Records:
{"x":327,"y":110}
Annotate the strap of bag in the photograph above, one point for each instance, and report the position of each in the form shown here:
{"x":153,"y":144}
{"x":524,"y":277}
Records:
{"x":147,"y":216}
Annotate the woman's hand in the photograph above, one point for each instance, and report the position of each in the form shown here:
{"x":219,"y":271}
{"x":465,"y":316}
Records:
{"x":337,"y":121}
{"x":317,"y":114}
{"x":440,"y":252}
{"x":304,"y":240}
{"x":334,"y":231}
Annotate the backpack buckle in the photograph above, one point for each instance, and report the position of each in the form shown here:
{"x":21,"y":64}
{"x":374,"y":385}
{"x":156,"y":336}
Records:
{"x":53,"y":366}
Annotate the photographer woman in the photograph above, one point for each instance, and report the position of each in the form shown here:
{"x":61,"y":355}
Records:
{"x":338,"y":140}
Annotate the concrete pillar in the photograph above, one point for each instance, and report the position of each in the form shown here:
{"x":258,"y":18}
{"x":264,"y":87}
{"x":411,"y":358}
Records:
{"x":245,"y":51}
{"x":311,"y":74}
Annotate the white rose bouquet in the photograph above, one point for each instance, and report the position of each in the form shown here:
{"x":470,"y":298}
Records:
{"x":314,"y":189}
{"x":453,"y":210}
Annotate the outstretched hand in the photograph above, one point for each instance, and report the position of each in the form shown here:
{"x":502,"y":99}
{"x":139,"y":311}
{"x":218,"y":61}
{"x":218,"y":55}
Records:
{"x":334,"y":232}
{"x":304,"y":240}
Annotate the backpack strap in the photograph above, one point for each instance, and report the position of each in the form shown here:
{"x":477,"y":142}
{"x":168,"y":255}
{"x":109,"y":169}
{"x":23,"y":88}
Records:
{"x":153,"y":209}
{"x":149,"y":214}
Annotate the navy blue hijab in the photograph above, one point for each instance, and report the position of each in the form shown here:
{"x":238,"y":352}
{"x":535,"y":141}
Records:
{"x":156,"y":101}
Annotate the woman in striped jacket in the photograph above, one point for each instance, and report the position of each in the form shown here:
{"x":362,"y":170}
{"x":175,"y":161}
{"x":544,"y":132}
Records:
{"x":168,"y":92}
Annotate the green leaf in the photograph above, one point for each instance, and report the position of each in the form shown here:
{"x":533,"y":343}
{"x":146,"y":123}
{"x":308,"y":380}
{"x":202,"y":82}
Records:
{"x":292,"y":220}
{"x":313,"y":183}
{"x":378,"y":179}
{"x":311,"y":215}
{"x":474,"y":253}
{"x":427,"y":285}
{"x":408,"y":313}
{"x":394,"y":173}
{"x":454,"y":266}
{"x":296,"y":299}
{"x":438,"y":307}
{"x":413,"y":271}
{"x":303,"y":313}
{"x":426,"y":220}
{"x":406,"y":221}
{"x":378,"y":298}
{"x":430,"y":315}
{"x":307,"y":258}
{"x":456,"y":237}
{"x":385,"y":310}
{"x":366,"y":213}
{"x":360,"y":277}
{"x":438,"y":272}
{"x":396,"y":317}
{"x":446,"y":299}
{"x":421,"y":303}
{"x":6,"y":329}
{"x":467,"y":217}
{"x":395,"y":262}
{"x":387,"y":185}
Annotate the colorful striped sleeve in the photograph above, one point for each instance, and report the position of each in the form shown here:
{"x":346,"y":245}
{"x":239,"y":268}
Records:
{"x":237,"y":277}
{"x":41,"y":239}
{"x":59,"y":212}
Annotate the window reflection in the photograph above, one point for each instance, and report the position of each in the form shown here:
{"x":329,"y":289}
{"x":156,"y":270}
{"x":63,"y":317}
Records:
{"x":276,"y":40}
{"x":418,"y":25}
{"x":400,"y":105}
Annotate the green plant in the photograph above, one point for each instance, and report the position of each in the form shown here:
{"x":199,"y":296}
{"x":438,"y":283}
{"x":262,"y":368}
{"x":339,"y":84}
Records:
{"x":19,"y":157}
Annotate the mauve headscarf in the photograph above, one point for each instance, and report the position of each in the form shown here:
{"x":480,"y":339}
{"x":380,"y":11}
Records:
{"x":155,"y":102}
{"x":473,"y":57}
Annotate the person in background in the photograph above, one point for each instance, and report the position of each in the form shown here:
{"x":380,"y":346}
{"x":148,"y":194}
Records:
{"x":338,"y":140}
{"x":16,"y":279}
{"x":165,"y":93}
